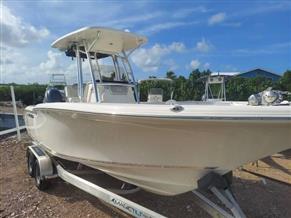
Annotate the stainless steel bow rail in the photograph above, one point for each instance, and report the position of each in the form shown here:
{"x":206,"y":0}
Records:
{"x":43,"y":167}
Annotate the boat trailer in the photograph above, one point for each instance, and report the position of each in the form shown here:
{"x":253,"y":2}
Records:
{"x":43,"y":167}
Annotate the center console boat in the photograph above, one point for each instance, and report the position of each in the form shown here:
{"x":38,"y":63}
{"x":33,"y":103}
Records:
{"x":162,"y":148}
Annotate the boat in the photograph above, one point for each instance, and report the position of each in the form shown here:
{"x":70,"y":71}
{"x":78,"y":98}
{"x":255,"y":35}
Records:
{"x":155,"y":94}
{"x":57,"y":84}
{"x":162,"y":148}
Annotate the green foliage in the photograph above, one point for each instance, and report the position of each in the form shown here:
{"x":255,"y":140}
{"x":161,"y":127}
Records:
{"x":28,"y":94}
{"x":239,"y":89}
{"x":146,"y":85}
{"x":188,"y":89}
{"x":191,"y":88}
{"x":285,"y":81}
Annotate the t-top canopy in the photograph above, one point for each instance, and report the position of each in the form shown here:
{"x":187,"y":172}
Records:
{"x":155,"y":79}
{"x":104,"y":40}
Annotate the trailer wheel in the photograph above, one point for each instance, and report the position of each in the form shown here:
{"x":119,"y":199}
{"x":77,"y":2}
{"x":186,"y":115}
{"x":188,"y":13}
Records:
{"x":30,"y":163}
{"x":41,"y":183}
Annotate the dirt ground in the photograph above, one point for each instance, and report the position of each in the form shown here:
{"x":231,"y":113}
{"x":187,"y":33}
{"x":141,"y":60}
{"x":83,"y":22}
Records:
{"x":257,"y":196}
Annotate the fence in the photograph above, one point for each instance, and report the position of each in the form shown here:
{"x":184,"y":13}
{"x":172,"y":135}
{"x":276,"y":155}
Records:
{"x":17,"y":128}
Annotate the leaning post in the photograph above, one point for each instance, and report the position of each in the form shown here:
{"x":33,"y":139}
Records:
{"x":15,"y":112}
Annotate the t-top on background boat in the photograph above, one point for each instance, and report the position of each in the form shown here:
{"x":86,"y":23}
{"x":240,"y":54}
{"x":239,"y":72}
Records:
{"x":212,"y":80}
{"x":162,"y":148}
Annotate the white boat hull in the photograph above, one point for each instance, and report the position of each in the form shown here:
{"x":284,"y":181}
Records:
{"x":164,"y":155}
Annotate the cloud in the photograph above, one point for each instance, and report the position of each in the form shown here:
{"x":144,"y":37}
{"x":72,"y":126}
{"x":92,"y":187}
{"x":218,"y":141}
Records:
{"x":203,"y":46}
{"x":18,"y":68}
{"x":22,"y":70}
{"x":245,"y":13}
{"x":264,"y":9}
{"x":164,"y":26}
{"x":8,"y":55}
{"x":57,"y":63}
{"x":194,"y":64}
{"x":177,"y":47}
{"x":171,"y":65}
{"x":206,"y":65}
{"x":52,"y":64}
{"x":150,"y":60}
{"x":260,"y":9}
{"x":184,"y":12}
{"x":129,"y":21}
{"x":217,"y":18}
{"x":266,"y":50}
{"x":16,"y":33}
{"x":229,"y":67}
{"x":233,"y":24}
{"x":5,"y":61}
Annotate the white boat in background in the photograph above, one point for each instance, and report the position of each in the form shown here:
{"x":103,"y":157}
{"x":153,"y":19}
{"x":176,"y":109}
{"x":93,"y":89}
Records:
{"x":162,"y":148}
{"x":155,"y":95}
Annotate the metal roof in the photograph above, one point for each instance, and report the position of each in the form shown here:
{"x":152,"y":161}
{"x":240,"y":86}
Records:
{"x":225,"y":73}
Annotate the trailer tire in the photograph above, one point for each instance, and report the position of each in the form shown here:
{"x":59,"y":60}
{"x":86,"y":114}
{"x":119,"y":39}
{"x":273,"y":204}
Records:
{"x":30,"y":163}
{"x":40,"y":182}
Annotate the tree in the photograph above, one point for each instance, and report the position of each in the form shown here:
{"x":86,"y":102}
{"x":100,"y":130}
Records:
{"x":239,"y":89}
{"x":171,"y":75}
{"x":284,"y":83}
{"x":185,"y":88}
{"x":28,"y":94}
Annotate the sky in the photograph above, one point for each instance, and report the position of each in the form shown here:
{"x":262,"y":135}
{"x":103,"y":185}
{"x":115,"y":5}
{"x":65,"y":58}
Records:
{"x":182,"y":35}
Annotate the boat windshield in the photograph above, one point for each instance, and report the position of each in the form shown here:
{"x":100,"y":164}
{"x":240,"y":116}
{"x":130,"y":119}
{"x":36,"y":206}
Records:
{"x":113,"y":69}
